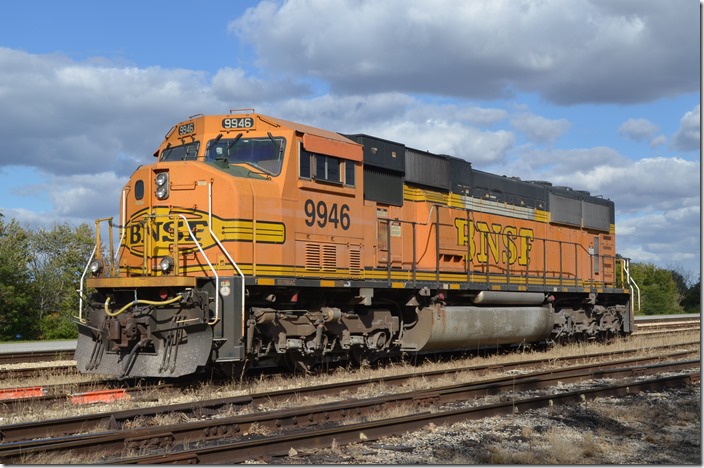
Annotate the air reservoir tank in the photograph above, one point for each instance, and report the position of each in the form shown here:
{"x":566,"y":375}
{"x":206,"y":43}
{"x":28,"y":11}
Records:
{"x":465,"y":327}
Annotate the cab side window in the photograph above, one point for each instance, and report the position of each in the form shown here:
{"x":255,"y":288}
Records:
{"x":324,"y":168}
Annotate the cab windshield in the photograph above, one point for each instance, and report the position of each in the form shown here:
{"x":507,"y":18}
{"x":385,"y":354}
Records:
{"x":185,"y":152}
{"x":263,"y":154}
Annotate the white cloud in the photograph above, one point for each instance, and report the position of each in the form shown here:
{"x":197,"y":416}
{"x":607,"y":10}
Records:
{"x":688,"y":135}
{"x":647,"y":236}
{"x":569,"y":52}
{"x":447,"y":129}
{"x":538,"y":128}
{"x":234,"y":85}
{"x":638,"y":129}
{"x":81,"y":117}
{"x":658,"y":141}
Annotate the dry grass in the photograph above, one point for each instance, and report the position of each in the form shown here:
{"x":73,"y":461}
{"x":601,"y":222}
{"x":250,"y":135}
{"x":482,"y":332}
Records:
{"x":63,"y":458}
{"x":267,"y":382}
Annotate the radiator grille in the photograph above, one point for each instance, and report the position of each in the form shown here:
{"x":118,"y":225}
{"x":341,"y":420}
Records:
{"x":355,"y":261}
{"x":313,"y":257}
{"x":329,"y":261}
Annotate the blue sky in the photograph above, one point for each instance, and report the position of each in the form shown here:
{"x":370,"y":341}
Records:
{"x":598,"y":95}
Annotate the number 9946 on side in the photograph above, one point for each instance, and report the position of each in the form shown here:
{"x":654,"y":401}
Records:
{"x":327,"y":214}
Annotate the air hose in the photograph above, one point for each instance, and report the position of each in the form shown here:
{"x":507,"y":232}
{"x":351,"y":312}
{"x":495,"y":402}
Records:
{"x":139,"y":301}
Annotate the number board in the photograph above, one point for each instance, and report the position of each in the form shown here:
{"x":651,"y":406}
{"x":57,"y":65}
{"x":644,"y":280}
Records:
{"x":186,"y":129}
{"x":238,"y":123}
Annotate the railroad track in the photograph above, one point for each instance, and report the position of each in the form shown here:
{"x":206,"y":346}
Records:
{"x":310,"y":422}
{"x":281,"y":444}
{"x":20,"y":357}
{"x":664,"y":326}
{"x":37,"y":370}
{"x":110,"y":390}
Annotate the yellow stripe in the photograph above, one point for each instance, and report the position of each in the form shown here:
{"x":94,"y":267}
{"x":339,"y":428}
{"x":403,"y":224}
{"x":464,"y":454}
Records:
{"x":266,"y":275}
{"x":541,"y":216}
{"x":454,"y":200}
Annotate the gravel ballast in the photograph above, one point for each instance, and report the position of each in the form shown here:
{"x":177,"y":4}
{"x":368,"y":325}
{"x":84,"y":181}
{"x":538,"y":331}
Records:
{"x":647,"y":428}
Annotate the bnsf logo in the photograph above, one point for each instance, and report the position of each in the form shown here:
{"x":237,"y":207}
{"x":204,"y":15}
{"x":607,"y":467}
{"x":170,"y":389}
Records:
{"x":163,"y":231}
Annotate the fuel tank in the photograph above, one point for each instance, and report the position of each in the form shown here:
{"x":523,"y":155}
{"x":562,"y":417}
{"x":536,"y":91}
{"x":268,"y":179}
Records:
{"x":450,"y":328}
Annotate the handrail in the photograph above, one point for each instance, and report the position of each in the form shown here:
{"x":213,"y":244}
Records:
{"x":215,"y":238}
{"x":631,"y":281}
{"x":217,"y":277}
{"x":388,"y":243}
{"x":114,"y":254}
{"x":123,"y":203}
{"x":562,"y":249}
{"x":80,"y":289}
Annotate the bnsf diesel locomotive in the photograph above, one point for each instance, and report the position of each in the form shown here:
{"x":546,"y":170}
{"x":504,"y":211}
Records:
{"x":253,"y":240}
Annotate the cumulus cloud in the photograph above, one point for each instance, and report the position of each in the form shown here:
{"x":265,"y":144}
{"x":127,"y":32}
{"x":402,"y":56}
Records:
{"x":647,"y":237}
{"x":638,"y":129}
{"x":658,"y":141}
{"x":538,"y":128}
{"x":234,"y":85}
{"x":81,"y":117}
{"x":444,"y":129}
{"x":569,"y":52}
{"x":688,"y":135}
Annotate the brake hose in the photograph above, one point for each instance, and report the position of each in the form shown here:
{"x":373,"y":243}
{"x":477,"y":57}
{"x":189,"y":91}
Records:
{"x":139,"y":301}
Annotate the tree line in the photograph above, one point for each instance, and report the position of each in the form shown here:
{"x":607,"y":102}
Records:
{"x":41,"y":268}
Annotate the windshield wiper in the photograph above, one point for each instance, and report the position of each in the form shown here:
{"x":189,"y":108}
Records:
{"x":232,"y":143}
{"x":279,"y":146}
{"x":211,"y":143}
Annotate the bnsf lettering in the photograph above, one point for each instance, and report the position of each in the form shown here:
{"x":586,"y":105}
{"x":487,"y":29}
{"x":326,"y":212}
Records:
{"x":501,"y":244}
{"x":163,"y":232}
{"x":233,"y":122}
{"x":321,"y":214}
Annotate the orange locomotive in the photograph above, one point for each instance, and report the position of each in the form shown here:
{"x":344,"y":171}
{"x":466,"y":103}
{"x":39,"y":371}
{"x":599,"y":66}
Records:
{"x":255,"y":240}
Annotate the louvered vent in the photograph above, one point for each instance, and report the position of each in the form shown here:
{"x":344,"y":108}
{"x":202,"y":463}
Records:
{"x":355,"y":261}
{"x":313,"y":257}
{"x":329,"y":262}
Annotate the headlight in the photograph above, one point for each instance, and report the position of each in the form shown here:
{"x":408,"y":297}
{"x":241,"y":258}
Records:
{"x":166,"y":264}
{"x":96,"y":266}
{"x":162,"y":185}
{"x":162,"y":192}
{"x":162,"y":178}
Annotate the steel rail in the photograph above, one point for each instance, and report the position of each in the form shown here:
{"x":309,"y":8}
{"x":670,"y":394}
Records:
{"x":153,"y":438}
{"x":35,"y":356}
{"x":115,"y":420}
{"x":243,"y":450}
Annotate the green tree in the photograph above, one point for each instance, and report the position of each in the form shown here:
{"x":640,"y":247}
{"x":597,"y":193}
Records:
{"x":659,"y":291}
{"x":692,"y":300}
{"x":59,"y":256}
{"x":17,"y":303}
